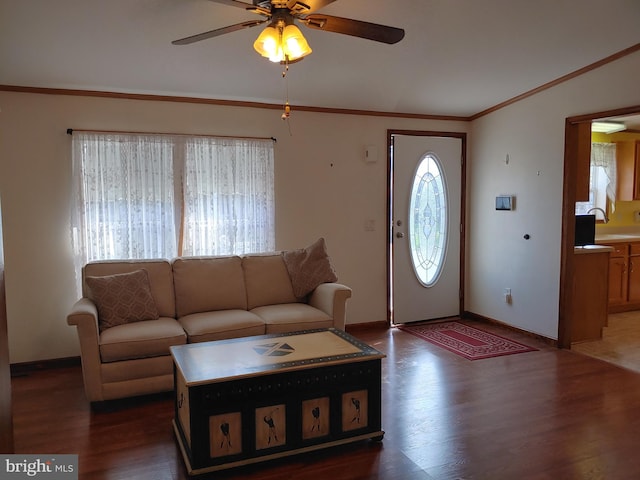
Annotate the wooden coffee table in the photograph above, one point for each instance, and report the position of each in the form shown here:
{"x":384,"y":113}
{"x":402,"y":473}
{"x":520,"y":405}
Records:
{"x":253,"y":399}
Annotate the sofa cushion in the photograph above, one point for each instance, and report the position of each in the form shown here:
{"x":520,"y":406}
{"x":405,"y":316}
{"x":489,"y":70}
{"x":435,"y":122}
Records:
{"x":204,"y":284}
{"x":122,"y":298}
{"x":267,"y":280}
{"x":151,"y":338}
{"x":309,"y":267}
{"x":207,"y":326}
{"x":292,"y":317}
{"x":160,"y":279}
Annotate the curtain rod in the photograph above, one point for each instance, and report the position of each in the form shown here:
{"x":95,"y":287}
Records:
{"x":71,"y":130}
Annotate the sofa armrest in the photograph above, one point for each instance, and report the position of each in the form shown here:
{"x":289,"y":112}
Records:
{"x":332,"y":298}
{"x":83,"y":311}
{"x":84,"y":315}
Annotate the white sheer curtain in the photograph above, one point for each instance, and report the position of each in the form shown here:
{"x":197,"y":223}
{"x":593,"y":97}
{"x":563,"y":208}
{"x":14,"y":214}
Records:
{"x":602,"y":182}
{"x":124,"y":196}
{"x":604,"y":155}
{"x":228,"y":196}
{"x":136,"y":194}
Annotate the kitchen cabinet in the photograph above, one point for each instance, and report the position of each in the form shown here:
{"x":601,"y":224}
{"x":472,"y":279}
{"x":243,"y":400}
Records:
{"x":589,"y":310}
{"x":624,"y":277}
{"x":628,"y":170}
{"x":618,"y":278}
{"x":580,"y":135}
{"x":633,"y":289}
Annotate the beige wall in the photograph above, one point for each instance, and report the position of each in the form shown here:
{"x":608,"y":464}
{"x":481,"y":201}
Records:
{"x":323,"y":188}
{"x":531,"y":132}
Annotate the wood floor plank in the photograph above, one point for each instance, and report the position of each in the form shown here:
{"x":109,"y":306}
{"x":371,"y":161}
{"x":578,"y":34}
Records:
{"x":539,"y":415}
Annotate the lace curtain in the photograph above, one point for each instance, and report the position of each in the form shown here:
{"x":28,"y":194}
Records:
{"x":237,"y":214}
{"x":604,"y":155}
{"x":161,"y":196}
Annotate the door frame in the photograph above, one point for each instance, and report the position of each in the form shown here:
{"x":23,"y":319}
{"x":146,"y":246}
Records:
{"x":463,"y":204}
{"x":572,"y":146}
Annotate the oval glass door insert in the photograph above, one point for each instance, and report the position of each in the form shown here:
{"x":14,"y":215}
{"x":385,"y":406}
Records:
{"x":428,"y":220}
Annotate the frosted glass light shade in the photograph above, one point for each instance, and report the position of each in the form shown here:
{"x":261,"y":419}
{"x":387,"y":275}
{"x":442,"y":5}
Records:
{"x":277,"y":43}
{"x":295,"y":45}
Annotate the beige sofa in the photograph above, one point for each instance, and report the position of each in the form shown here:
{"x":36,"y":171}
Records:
{"x":197,"y":299}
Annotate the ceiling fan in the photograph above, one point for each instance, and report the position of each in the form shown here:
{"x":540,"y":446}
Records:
{"x":282,"y":41}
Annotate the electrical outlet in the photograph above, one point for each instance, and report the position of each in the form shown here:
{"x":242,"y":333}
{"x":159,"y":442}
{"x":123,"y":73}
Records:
{"x":636,"y":216}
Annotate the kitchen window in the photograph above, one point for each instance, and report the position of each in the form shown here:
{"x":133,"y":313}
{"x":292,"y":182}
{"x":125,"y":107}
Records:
{"x":602,"y":180}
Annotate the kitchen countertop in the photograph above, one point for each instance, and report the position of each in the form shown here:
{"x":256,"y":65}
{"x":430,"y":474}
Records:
{"x":617,"y":238}
{"x":592,"y":249}
{"x":604,"y":239}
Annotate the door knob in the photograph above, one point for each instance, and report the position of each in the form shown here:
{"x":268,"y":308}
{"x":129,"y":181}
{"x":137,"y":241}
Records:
{"x":400,"y":235}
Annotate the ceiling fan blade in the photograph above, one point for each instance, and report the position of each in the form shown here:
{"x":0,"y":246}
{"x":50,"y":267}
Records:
{"x":356,"y":28}
{"x":217,"y":32}
{"x":255,"y":7}
{"x":305,"y":7}
{"x":235,"y":3}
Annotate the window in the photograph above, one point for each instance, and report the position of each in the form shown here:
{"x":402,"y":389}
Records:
{"x":162,"y":196}
{"x":602,"y":179}
{"x":428,"y":220}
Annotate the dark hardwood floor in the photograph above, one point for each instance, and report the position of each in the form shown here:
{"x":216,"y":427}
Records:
{"x":548,"y":414}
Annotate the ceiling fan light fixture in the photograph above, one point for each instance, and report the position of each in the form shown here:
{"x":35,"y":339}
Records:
{"x":267,"y":42}
{"x":295,"y":45}
{"x":279,"y":43}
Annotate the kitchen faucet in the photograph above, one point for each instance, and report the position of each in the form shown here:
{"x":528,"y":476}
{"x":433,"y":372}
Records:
{"x":606,"y":219}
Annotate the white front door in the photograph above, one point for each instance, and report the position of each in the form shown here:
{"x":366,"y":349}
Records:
{"x":426,"y":215}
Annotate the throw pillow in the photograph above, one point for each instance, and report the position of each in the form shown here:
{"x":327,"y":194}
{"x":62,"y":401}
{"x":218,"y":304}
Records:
{"x":309,"y":267}
{"x":122,"y":298}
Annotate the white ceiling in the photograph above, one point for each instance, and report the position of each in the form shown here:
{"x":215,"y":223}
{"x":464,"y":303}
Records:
{"x":458,"y":57}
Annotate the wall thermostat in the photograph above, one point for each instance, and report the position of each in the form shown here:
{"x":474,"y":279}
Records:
{"x":505,"y":202}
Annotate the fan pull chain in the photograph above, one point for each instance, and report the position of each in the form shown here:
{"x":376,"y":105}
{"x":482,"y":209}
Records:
{"x":287,"y":108}
{"x":286,"y":113}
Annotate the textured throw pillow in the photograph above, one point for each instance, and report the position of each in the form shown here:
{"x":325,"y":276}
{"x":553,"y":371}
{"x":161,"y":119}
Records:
{"x":122,"y":298}
{"x":309,"y":267}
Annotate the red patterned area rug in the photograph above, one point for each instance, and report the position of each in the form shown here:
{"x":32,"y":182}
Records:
{"x":468,"y":342}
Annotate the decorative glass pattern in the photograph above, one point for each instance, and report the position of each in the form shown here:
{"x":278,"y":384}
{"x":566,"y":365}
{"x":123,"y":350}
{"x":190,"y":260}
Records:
{"x":428,"y":220}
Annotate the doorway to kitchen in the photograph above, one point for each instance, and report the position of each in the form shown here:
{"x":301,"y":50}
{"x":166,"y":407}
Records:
{"x":577,"y":149}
